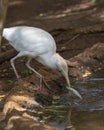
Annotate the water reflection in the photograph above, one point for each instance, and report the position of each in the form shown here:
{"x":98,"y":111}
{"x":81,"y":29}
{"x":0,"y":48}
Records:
{"x":70,"y":113}
{"x":58,"y":116}
{"x":85,"y":120}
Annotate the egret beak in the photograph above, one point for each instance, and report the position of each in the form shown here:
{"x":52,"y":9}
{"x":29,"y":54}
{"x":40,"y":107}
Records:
{"x":72,"y":90}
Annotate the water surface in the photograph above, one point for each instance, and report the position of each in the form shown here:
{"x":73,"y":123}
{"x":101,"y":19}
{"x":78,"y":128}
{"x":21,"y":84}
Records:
{"x":86,"y":114}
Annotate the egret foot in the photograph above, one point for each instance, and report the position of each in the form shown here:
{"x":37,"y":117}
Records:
{"x":19,"y":81}
{"x":75,"y":92}
{"x":43,"y":81}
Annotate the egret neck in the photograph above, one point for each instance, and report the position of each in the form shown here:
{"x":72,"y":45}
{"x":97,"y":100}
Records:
{"x":62,"y":67}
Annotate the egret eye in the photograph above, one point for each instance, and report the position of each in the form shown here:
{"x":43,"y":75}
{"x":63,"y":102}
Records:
{"x":60,"y":71}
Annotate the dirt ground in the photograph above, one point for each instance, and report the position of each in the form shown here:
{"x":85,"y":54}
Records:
{"x":56,"y":17}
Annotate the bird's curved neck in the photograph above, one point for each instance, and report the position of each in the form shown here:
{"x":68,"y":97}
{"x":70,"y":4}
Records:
{"x":56,"y":58}
{"x":48,"y":60}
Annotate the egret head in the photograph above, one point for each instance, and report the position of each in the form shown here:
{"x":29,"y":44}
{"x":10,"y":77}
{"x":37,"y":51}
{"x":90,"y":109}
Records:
{"x":63,"y":69}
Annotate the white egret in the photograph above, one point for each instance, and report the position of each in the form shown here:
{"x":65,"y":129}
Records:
{"x":39,"y":44}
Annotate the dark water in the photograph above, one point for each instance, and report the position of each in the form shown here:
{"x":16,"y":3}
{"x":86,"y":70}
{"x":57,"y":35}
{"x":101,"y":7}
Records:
{"x":87,"y":114}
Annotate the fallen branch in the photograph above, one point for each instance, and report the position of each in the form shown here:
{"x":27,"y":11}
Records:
{"x":7,"y":55}
{"x":97,"y":28}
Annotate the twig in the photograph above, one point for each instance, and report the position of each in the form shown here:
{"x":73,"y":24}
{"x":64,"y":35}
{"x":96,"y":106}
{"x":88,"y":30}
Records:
{"x":65,"y":49}
{"x":72,"y":39}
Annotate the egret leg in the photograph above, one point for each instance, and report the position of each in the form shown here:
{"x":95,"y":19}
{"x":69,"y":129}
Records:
{"x":20,"y":54}
{"x":32,"y":69}
{"x":12,"y":63}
